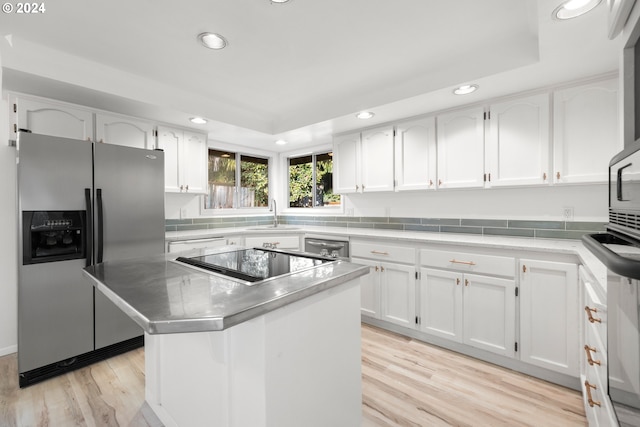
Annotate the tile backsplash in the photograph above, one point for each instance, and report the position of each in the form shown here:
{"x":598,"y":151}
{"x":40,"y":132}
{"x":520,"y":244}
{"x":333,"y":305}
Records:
{"x":493,"y":227}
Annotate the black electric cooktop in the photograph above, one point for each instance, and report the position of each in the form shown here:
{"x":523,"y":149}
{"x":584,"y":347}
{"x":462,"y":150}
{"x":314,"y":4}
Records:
{"x":254,"y":265}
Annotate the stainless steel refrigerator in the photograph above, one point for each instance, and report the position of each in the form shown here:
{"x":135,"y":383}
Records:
{"x":79,"y":203}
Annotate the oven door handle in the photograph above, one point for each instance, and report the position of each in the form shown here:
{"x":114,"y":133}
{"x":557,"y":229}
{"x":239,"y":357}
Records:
{"x":619,"y":182}
{"x":621,"y":265}
{"x":88,"y":232}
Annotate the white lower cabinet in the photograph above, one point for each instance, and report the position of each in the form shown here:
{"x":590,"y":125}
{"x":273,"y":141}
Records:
{"x":593,"y":353}
{"x":548,"y":315}
{"x":388,"y":291}
{"x":472,"y":309}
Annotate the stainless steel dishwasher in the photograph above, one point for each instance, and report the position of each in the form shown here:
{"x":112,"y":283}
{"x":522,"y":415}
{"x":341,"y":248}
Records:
{"x":333,"y":247}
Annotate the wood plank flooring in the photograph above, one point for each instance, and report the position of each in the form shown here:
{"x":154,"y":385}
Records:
{"x":405,"y":383}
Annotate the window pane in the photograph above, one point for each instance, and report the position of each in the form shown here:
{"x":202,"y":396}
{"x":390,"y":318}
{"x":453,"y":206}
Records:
{"x":324,"y":181}
{"x":254,"y":182}
{"x":222,"y":180}
{"x":301,"y":182}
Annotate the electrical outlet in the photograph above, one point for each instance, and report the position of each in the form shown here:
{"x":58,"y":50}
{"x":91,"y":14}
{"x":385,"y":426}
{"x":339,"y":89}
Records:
{"x":567,"y":213}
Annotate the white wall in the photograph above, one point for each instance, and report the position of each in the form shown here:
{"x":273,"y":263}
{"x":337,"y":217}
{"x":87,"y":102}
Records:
{"x":538,"y":203}
{"x":8,"y":242}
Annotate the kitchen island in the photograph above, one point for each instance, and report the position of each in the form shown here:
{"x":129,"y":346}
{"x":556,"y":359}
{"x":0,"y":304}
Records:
{"x":219,"y":352}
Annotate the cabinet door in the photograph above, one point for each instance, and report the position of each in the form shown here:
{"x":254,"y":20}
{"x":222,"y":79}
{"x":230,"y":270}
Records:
{"x":346,"y":150}
{"x":397,"y":294}
{"x":169,"y":140}
{"x":585,"y":133}
{"x":369,"y":289}
{"x":377,"y":159}
{"x":441,"y":303}
{"x":489,"y":318}
{"x":415,"y":155}
{"x":461,"y":149}
{"x":518,"y":142}
{"x":54,"y":119}
{"x":124,"y":131}
{"x":548,"y":315}
{"x":194,"y":162}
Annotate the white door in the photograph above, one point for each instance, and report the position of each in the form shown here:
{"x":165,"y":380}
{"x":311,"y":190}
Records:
{"x":586,"y":132}
{"x":195,"y":162}
{"x":549,"y":315}
{"x":369,"y":288}
{"x":170,"y":140}
{"x":398,"y":294}
{"x":518,"y":142}
{"x":346,"y":150}
{"x":119,"y":130}
{"x":377,"y":159}
{"x":54,"y":119}
{"x":460,"y":148}
{"x":415,"y":155}
{"x":489,"y":315}
{"x":441,"y":303}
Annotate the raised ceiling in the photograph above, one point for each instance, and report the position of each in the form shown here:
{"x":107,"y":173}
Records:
{"x":298,"y":71}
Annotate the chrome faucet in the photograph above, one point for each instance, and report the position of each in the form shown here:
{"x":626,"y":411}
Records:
{"x":274,"y":208}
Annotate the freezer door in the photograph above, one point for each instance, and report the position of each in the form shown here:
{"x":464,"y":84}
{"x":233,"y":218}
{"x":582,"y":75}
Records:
{"x":53,"y":173}
{"x":129,"y":221}
{"x":55,"y":302}
{"x":55,"y":313}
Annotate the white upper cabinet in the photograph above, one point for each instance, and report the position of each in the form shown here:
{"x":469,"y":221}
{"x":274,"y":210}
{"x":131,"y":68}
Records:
{"x":586,"y":132}
{"x":461,"y":149}
{"x":415,"y":155}
{"x":377,"y":159}
{"x":346,"y":159}
{"x":185,"y":155}
{"x":54,"y":119}
{"x":518,"y":142}
{"x":364,"y":162}
{"x":120,"y":130}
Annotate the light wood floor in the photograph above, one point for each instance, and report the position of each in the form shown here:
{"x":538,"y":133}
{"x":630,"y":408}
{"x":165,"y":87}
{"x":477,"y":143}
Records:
{"x":405,"y":383}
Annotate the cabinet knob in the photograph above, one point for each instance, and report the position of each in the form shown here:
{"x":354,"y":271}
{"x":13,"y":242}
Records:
{"x":430,"y":183}
{"x":466,"y":282}
{"x":558,"y":175}
{"x":181,"y":187}
{"x":544,"y":176}
{"x":187,"y":187}
{"x":457,"y":281}
{"x":357,"y":187}
{"x":439,"y":183}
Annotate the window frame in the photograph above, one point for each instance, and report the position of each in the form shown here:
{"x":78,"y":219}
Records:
{"x":314,"y":210}
{"x":239,"y":153}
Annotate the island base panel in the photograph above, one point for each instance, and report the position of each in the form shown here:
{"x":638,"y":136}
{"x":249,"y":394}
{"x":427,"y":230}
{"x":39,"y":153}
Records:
{"x":298,"y":365}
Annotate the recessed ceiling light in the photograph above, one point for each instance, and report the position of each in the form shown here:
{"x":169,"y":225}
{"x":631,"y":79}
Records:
{"x":365,"y":115}
{"x":281,"y":142}
{"x":198,"y":120}
{"x":279,"y":1}
{"x":573,"y":8}
{"x":465,"y":89}
{"x":212,"y":40}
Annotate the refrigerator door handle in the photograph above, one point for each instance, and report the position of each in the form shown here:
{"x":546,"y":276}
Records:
{"x":89,"y":228}
{"x":100,"y":226}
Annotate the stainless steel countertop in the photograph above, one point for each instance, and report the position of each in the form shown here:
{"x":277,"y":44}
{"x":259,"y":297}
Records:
{"x":165,"y":297}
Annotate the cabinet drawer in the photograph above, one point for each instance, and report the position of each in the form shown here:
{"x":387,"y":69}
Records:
{"x":279,"y":242}
{"x":469,"y":262}
{"x":383,"y":252}
{"x":594,"y":315}
{"x":185,"y":245}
